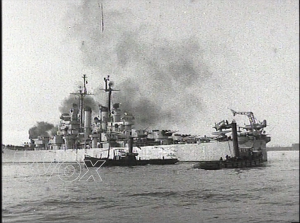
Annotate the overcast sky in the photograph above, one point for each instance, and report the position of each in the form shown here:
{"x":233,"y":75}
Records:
{"x":187,"y":60}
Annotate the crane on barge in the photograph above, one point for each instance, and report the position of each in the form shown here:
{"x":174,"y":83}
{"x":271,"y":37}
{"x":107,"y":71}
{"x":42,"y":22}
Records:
{"x":254,"y":124}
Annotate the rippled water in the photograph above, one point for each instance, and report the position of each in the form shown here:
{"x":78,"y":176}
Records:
{"x":174,"y":193}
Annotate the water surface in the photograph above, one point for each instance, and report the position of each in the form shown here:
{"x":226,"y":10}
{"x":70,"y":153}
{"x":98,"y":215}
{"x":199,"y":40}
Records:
{"x":173,"y":193}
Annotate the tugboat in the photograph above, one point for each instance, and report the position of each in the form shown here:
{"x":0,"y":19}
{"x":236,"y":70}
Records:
{"x":122,"y":158}
{"x":243,"y":157}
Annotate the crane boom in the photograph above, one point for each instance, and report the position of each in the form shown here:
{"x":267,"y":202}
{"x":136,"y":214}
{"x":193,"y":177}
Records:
{"x":254,"y":123}
{"x":250,"y":115}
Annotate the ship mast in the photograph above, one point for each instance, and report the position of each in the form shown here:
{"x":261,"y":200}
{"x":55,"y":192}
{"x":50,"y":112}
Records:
{"x":108,"y":88}
{"x":82,"y":93}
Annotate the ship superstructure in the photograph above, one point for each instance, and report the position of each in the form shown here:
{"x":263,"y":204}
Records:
{"x":107,"y":135}
{"x":111,"y":127}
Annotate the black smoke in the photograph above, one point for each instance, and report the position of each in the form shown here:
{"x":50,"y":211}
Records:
{"x":68,"y":102}
{"x":159,"y":79}
{"x":44,"y":129}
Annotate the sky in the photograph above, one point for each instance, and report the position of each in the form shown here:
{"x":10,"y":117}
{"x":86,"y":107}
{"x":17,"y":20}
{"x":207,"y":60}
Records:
{"x":179,"y":65}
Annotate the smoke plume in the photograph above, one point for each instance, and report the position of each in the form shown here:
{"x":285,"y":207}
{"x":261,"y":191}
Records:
{"x":42,"y":129}
{"x":159,"y":79}
{"x":68,"y":102}
{"x":47,"y":129}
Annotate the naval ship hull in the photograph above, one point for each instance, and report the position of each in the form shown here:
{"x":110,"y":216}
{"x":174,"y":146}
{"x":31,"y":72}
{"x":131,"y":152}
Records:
{"x":183,"y":152}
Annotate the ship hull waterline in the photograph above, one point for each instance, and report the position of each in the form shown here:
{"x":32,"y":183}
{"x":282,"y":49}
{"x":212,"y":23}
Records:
{"x":97,"y":162}
{"x":217,"y":165}
{"x":182,"y":152}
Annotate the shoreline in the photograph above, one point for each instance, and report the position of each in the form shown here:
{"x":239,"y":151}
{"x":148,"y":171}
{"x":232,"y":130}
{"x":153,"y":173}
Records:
{"x":278,"y":148}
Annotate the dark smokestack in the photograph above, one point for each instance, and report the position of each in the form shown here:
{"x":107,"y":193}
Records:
{"x":130,"y":144}
{"x":235,"y":139}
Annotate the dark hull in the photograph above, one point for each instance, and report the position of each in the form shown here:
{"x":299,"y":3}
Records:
{"x":161,"y":161}
{"x":104,"y":162}
{"x":216,"y":165}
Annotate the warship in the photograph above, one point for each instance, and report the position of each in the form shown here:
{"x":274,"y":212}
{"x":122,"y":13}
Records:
{"x":111,"y":137}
